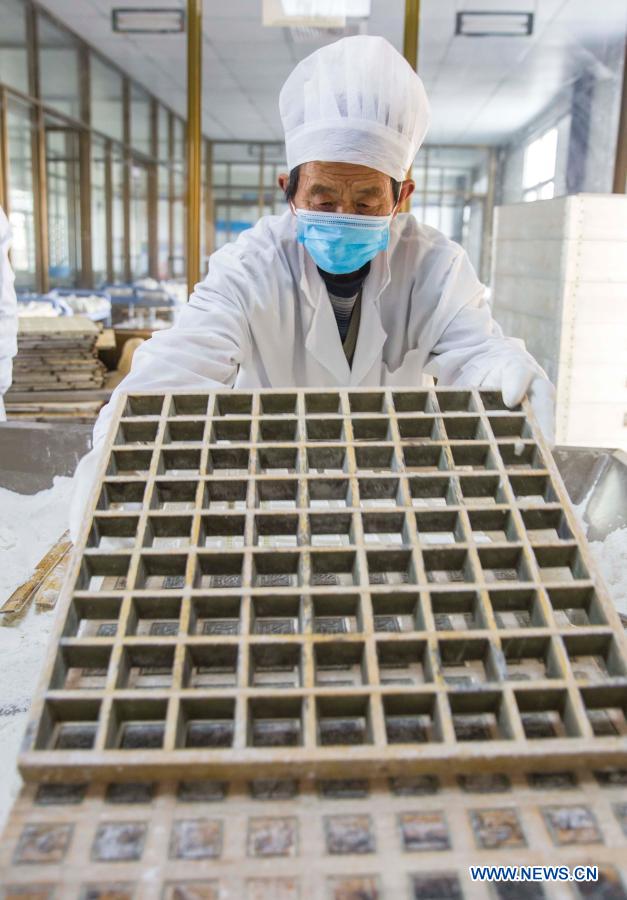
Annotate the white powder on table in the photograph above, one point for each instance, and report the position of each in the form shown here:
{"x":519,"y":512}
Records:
{"x":611,"y":558}
{"x":29,"y":526}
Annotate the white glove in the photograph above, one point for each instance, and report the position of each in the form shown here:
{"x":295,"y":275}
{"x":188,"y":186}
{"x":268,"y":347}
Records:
{"x":519,"y":378}
{"x":515,"y":378}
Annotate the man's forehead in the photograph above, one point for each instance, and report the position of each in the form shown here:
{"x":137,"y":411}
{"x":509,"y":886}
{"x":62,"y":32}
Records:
{"x":339,"y":175}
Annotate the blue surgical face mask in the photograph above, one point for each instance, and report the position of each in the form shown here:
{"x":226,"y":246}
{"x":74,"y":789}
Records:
{"x":341,"y":243}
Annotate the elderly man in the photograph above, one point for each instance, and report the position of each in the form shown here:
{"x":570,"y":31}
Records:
{"x":8,"y":312}
{"x":341,"y":289}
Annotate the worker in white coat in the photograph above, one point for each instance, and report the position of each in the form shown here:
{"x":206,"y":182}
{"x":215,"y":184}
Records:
{"x":8,"y":313}
{"x":340,"y":290}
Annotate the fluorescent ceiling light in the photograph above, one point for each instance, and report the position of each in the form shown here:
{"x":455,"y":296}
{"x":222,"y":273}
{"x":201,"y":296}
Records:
{"x":494,"y":24}
{"x":143,"y":20}
{"x":313,"y":13}
{"x":359,"y":9}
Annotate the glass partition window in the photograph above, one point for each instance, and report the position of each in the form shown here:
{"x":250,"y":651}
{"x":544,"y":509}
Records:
{"x":141,"y":138}
{"x":177,"y":262}
{"x":163,"y":192}
{"x":203,"y":215}
{"x":163,"y":221}
{"x":163,"y":139}
{"x":106,"y":99}
{"x":58,"y":68}
{"x":451,"y":184}
{"x":245,"y":186}
{"x":117,"y":208}
{"x":139,"y":221}
{"x":13,"y":57}
{"x":98,"y":211}
{"x":20,"y":195}
{"x":62,"y":175}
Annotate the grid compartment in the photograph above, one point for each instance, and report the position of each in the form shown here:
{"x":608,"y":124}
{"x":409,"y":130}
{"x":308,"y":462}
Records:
{"x":68,"y":724}
{"x":215,"y":615}
{"x":547,"y":714}
{"x":275,"y":722}
{"x":411,"y":719}
{"x":395,"y":612}
{"x":93,"y":616}
{"x":403,"y":662}
{"x":606,"y":709}
{"x":343,"y":721}
{"x":336,"y":613}
{"x":467,"y":663}
{"x":211,"y":666}
{"x":82,"y":667}
{"x":154,"y":616}
{"x":276,"y":666}
{"x":479,"y":716}
{"x":113,"y":532}
{"x":459,"y":610}
{"x":137,"y":724}
{"x":276,"y":615}
{"x":184,"y":431}
{"x":145,"y":667}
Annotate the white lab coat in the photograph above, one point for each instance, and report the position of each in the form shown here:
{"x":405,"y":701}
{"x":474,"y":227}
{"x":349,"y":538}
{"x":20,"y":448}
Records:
{"x":8,"y":312}
{"x":262,"y":318}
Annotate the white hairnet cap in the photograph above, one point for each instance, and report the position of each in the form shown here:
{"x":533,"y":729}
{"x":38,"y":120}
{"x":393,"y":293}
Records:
{"x":355,"y":101}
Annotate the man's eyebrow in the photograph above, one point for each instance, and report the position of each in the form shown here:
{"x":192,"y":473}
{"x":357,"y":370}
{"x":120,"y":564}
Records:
{"x":373,"y":191}
{"x":321,"y":189}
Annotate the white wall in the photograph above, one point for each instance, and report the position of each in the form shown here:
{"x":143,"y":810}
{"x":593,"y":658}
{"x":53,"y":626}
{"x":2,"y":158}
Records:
{"x":560,"y":284}
{"x":587,"y":123}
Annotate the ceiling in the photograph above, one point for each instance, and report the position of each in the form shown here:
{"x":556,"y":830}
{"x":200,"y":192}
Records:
{"x":482,"y":90}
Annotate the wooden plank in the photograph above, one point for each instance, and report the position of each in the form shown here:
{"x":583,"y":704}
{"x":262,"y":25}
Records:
{"x":62,"y":325}
{"x":106,"y":339}
{"x":47,"y":593}
{"x":21,"y":597}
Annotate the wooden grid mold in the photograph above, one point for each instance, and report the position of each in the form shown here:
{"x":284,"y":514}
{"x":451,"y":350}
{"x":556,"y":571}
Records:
{"x":403,"y":838}
{"x":330,"y":581}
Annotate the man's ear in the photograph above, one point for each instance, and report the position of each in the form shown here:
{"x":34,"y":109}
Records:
{"x":283,"y":180}
{"x":407,"y":189}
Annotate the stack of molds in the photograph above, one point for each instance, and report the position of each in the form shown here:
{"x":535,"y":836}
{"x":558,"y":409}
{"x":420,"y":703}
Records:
{"x":57,"y":354}
{"x":325,"y":644}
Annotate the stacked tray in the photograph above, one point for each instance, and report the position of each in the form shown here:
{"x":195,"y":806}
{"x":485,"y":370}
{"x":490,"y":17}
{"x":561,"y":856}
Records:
{"x":57,"y":354}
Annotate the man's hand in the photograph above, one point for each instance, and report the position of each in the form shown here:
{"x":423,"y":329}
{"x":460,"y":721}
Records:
{"x":519,"y":379}
{"x":516,"y":378}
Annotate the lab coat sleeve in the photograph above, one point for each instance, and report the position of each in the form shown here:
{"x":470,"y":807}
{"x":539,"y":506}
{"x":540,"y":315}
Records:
{"x":202,"y":350}
{"x":468,"y":346}
{"x":205,"y":346}
{"x":8,"y":307}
